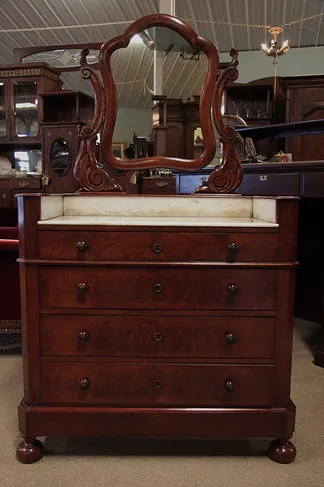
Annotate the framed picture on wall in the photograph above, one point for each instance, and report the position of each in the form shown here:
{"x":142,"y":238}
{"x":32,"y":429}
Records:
{"x":118,"y":149}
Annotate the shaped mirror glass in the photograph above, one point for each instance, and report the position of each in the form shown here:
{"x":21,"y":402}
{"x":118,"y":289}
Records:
{"x":159,"y":79}
{"x":162,"y":59}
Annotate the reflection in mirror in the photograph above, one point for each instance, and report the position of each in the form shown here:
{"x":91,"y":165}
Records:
{"x":60,"y":157}
{"x":166,"y":124}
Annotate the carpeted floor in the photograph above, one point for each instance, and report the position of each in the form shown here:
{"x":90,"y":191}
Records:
{"x":107,"y":463}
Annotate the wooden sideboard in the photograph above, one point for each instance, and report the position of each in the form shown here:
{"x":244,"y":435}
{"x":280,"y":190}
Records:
{"x":305,"y":95}
{"x":306,"y":180}
{"x":174,"y":125}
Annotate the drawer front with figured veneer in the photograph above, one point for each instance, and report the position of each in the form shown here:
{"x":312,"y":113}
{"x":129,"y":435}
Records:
{"x":23,"y":184}
{"x":173,"y":385}
{"x":157,"y":246}
{"x":157,"y":288}
{"x":157,"y":336}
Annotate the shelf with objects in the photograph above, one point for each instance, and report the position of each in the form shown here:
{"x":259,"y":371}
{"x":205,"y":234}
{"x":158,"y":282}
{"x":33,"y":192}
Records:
{"x":260,"y":103}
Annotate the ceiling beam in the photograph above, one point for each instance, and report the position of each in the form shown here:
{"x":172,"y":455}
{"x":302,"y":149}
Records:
{"x":230,"y":28}
{"x":319,"y":25}
{"x":301,"y":24}
{"x":247,"y":17}
{"x":165,"y":7}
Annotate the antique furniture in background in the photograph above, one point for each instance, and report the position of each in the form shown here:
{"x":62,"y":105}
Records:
{"x":65,"y":113}
{"x":21,"y":108}
{"x":258,"y":105}
{"x":305,"y":97}
{"x":21,"y":112}
{"x":157,"y":316}
{"x":174,"y":124}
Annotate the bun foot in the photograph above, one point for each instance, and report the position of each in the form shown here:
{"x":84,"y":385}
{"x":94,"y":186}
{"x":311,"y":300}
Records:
{"x":30,"y":451}
{"x":282,"y":451}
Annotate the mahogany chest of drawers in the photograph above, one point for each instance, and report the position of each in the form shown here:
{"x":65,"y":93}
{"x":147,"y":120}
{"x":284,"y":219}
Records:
{"x":157,"y":316}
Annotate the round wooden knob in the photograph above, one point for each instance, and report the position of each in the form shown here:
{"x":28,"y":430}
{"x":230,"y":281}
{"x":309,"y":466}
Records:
{"x":83,"y":336}
{"x":157,"y":384}
{"x":233,"y":247}
{"x":230,"y":338}
{"x":157,"y":336}
{"x":157,"y":288}
{"x":157,"y":248}
{"x":82,"y":287}
{"x":84,"y":384}
{"x":232,"y":290}
{"x":230,"y":385}
{"x":82,"y":246}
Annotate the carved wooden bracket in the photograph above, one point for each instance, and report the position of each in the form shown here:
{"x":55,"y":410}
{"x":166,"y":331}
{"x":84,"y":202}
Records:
{"x":87,"y":169}
{"x":228,"y":176}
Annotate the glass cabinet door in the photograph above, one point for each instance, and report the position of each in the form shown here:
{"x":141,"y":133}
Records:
{"x":25,"y":109}
{"x":4,"y":111}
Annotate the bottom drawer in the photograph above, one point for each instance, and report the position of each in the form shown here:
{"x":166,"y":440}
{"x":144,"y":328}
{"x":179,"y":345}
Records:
{"x":145,"y":384}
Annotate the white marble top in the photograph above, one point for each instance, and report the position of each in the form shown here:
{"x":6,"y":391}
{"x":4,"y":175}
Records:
{"x":195,"y":211}
{"x":158,"y":221}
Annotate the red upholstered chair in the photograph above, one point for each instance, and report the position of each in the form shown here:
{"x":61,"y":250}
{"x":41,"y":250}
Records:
{"x":10,"y":288}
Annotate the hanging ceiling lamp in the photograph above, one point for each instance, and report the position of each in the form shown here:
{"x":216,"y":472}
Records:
{"x":274,"y":50}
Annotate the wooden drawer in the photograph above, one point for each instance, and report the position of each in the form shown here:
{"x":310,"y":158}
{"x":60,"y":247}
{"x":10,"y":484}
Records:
{"x":272,"y":184}
{"x":157,"y":288}
{"x":158,"y":186}
{"x":157,"y":336}
{"x":157,"y":246}
{"x":312,"y":185}
{"x":262,"y":184}
{"x":25,"y":183}
{"x":134,"y":384}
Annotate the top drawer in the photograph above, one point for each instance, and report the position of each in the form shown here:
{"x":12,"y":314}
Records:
{"x":157,"y":246}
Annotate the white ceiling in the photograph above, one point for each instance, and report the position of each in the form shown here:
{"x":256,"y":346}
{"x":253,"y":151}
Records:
{"x":182,"y":78}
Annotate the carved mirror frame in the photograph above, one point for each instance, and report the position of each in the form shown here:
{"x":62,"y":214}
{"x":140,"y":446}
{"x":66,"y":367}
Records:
{"x":91,"y":174}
